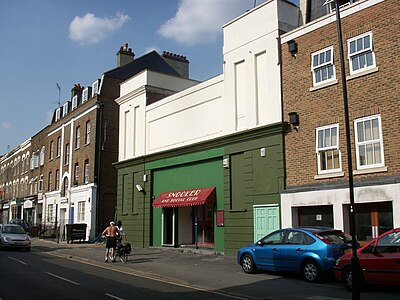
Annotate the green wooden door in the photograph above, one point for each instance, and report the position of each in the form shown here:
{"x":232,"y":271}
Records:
{"x":266,"y":219}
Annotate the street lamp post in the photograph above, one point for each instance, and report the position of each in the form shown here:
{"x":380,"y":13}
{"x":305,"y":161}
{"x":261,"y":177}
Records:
{"x":355,"y":263}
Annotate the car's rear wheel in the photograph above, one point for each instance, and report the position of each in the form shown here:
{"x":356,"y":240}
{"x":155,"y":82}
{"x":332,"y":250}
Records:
{"x":311,"y":271}
{"x":247,"y":264}
{"x":347,"y":277}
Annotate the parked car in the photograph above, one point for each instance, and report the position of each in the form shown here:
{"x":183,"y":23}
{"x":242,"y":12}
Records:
{"x":306,"y":250}
{"x":14,"y":236}
{"x":379,"y":261}
{"x":20,"y":222}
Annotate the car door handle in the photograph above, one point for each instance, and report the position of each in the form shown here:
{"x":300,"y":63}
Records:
{"x":299,"y":249}
{"x":275,"y":249}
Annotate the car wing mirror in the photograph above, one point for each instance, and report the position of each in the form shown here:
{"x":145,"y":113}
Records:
{"x":260,"y":243}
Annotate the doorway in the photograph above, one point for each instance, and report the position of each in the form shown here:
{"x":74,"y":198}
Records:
{"x":266,"y":220}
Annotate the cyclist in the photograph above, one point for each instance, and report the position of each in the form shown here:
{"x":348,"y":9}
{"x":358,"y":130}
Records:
{"x":111,"y":233}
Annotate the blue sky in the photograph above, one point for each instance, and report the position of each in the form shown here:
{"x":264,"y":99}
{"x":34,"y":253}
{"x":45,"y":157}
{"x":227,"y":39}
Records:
{"x":48,"y":42}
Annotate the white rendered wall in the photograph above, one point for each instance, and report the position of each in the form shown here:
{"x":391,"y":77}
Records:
{"x":251,"y":44}
{"x":339,"y":197}
{"x":132,"y":110}
{"x":246,"y":96}
{"x":193,"y":115}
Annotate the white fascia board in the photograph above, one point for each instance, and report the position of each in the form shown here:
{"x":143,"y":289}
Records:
{"x":330,"y":18}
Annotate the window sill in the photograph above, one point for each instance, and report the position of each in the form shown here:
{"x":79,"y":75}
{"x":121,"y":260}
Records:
{"x":329,"y":175}
{"x":323,"y":85}
{"x":370,"y":170}
{"x":362,"y":73}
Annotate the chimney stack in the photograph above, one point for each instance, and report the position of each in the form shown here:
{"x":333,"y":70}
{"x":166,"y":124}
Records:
{"x":178,"y":62}
{"x":124,"y":55}
{"x":76,"y":90}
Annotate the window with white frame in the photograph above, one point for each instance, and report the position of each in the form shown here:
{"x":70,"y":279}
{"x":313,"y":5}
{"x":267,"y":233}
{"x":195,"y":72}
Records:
{"x":57,"y":179}
{"x":78,"y":137}
{"x":76,"y":174}
{"x":369,"y":143}
{"x":58,"y":113}
{"x":51,"y":150}
{"x":81,"y":211}
{"x":87,"y":138}
{"x":74,"y":102}
{"x":50,"y":213}
{"x":361,"y":54}
{"x":42,"y":156}
{"x":49,"y":186}
{"x":41,"y":183}
{"x":36,"y":158}
{"x":322,"y":66}
{"x":35,"y":186}
{"x":65,"y":109}
{"x":327,"y":148}
{"x":86,"y":171}
{"x":59,"y":146}
{"x":66,"y":159}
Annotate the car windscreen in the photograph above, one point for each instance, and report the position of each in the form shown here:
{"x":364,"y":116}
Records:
{"x":335,"y":237}
{"x":13,"y":229}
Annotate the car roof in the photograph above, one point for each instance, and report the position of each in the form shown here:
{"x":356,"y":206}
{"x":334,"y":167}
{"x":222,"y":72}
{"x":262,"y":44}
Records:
{"x":316,"y":228}
{"x":12,"y":225}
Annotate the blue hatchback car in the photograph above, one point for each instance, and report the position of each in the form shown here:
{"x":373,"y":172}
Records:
{"x":306,"y":250}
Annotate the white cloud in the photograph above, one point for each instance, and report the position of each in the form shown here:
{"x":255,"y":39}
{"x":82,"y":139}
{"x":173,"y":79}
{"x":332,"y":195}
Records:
{"x":90,"y":29}
{"x":201,"y":21}
{"x":5,"y":125}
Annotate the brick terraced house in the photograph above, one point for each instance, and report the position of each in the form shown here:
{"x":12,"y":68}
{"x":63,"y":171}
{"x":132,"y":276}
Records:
{"x":64,"y":174}
{"x":317,"y":190}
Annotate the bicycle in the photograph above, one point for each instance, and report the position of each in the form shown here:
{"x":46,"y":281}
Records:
{"x":121,"y":251}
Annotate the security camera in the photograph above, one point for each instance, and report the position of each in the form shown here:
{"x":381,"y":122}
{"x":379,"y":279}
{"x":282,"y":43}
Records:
{"x":139,"y":188}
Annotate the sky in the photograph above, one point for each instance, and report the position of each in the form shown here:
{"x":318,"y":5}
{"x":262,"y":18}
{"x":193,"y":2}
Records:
{"x":45,"y":43}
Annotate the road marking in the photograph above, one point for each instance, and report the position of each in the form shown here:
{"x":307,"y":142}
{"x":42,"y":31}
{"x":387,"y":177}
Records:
{"x":17,"y":260}
{"x":115,"y":297}
{"x":147,"y":276}
{"x":62,"y":278}
{"x":324,"y":298}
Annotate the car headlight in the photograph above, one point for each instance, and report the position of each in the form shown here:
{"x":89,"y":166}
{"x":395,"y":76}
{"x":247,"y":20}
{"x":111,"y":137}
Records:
{"x":6,"y":239}
{"x":27,"y":239}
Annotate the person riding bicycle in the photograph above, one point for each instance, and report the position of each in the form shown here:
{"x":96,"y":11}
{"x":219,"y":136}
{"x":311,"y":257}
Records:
{"x":111,"y":233}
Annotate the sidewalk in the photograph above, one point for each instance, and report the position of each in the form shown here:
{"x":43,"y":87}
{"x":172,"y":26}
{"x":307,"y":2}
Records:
{"x":208,"y":271}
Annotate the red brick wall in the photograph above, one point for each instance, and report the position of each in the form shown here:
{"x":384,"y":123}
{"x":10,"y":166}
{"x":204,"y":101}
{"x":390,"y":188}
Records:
{"x":375,"y":93}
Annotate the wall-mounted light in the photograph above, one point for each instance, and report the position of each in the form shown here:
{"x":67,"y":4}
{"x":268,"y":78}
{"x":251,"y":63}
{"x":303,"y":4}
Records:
{"x":225,"y":163}
{"x":139,"y":188}
{"x":292,"y":47}
{"x":294,"y":120}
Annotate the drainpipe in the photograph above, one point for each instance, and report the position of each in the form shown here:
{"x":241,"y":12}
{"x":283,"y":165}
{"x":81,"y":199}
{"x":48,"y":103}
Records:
{"x":99,"y":148}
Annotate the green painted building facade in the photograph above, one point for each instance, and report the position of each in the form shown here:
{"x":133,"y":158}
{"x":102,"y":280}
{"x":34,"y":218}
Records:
{"x":246,"y":169}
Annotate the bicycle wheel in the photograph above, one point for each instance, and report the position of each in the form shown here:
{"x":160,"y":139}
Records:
{"x":123,"y":257}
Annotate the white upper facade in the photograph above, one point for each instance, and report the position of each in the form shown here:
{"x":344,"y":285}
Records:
{"x":247,"y":95}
